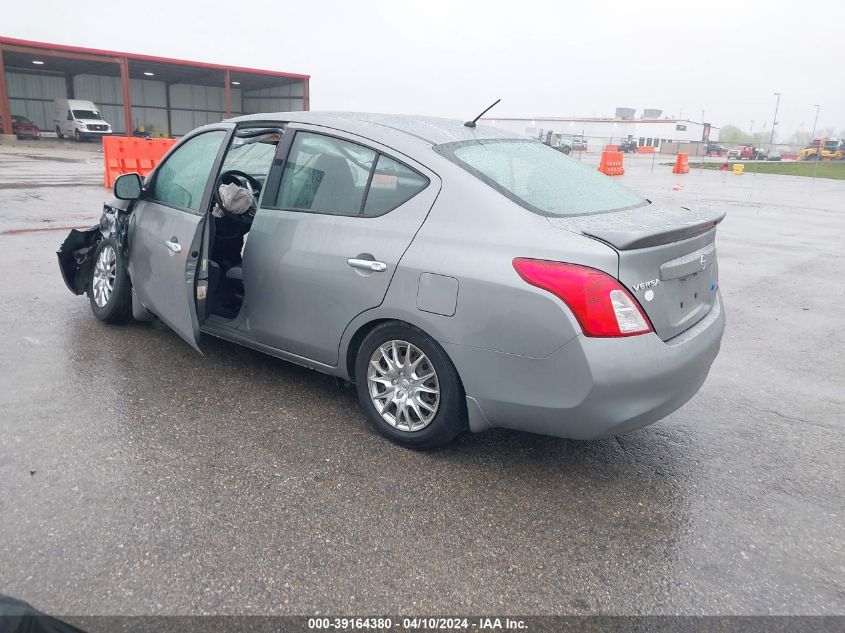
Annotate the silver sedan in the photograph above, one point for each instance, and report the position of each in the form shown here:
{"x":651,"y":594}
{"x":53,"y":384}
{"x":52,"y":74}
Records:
{"x":460,"y":276}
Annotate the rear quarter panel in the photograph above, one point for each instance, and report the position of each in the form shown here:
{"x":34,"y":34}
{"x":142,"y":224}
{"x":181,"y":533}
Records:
{"x":472,"y":234}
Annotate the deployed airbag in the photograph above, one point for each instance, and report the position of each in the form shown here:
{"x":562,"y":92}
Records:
{"x":234,"y":199}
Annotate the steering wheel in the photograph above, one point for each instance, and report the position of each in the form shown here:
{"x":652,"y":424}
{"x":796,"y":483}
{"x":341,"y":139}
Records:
{"x":242,"y":179}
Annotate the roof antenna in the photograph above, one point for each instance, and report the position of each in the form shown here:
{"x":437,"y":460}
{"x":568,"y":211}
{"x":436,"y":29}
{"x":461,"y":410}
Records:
{"x":472,"y":123}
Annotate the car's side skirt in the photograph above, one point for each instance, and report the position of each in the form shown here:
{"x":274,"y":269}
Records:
{"x":234,"y":336}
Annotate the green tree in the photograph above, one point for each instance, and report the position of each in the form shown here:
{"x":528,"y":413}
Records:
{"x":733,"y":134}
{"x":758,"y":138}
{"x":799,"y":137}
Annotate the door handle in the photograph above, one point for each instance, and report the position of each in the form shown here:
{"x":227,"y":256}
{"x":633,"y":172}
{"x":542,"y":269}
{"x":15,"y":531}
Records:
{"x":173,"y":245}
{"x":367,"y":264}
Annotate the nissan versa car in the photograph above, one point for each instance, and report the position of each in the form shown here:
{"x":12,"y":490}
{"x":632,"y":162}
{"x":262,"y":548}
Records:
{"x":459,"y":276}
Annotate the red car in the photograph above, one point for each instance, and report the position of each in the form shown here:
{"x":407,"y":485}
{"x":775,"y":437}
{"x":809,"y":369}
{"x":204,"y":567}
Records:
{"x":746,"y":152}
{"x":23,"y":127}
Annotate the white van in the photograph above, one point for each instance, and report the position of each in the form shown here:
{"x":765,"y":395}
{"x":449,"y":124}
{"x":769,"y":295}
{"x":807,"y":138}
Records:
{"x":80,"y":119}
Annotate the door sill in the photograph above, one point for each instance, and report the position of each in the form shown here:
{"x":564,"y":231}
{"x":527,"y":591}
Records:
{"x":224,"y":329}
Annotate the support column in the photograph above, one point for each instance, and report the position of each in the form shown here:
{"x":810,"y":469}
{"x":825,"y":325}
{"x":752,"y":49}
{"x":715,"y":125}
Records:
{"x":167,"y":104}
{"x":306,"y":96}
{"x":227,"y":78}
{"x":5,"y":110}
{"x":127,"y":95}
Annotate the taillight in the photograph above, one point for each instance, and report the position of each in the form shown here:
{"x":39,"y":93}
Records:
{"x":600,"y":303}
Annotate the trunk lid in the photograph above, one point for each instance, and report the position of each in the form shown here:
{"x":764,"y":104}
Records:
{"x":667,"y":259}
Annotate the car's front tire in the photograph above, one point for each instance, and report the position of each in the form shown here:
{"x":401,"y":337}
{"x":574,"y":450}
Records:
{"x":76,"y":136}
{"x":408,"y":387}
{"x":109,"y":288}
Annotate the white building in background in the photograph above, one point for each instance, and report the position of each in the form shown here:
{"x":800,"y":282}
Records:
{"x":598,"y":132}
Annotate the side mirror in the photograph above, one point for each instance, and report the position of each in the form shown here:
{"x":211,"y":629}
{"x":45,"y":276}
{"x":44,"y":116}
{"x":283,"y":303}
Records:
{"x":127,"y":187}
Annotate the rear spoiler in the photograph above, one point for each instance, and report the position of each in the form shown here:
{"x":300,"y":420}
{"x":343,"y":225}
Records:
{"x":650,"y":226}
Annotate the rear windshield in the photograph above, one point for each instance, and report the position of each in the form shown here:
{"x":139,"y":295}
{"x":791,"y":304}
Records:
{"x":540,"y":178}
{"x":86,"y":114}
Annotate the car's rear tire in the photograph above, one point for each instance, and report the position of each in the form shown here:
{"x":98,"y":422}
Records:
{"x":109,"y":288}
{"x":59,"y":132}
{"x":409,"y":388}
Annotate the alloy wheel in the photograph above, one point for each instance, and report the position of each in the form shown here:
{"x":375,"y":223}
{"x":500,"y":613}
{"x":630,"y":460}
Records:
{"x":403,"y":385}
{"x":105,"y":271}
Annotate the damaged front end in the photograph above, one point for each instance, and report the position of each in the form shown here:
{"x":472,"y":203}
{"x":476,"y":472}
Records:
{"x":76,"y":254}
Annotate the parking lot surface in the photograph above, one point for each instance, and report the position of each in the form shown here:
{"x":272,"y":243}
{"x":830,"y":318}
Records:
{"x":140,"y":477}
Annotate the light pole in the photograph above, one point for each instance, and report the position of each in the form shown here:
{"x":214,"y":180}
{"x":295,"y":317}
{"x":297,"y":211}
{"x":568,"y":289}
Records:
{"x":819,"y":148}
{"x":816,"y":120}
{"x":775,"y":119}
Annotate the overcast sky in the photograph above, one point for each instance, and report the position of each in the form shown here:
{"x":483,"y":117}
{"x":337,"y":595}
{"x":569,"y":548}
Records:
{"x":453,"y":58}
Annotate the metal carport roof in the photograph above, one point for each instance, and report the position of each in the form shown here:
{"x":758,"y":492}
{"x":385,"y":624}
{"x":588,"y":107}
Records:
{"x":67,"y":60}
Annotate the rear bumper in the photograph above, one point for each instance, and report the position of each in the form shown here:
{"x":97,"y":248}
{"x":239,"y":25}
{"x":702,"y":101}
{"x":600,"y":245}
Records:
{"x":590,"y":387}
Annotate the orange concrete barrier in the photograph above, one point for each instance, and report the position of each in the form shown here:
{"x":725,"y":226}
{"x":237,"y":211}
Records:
{"x":681,"y":164}
{"x":645,"y":149}
{"x":124,"y":155}
{"x":611,"y":163}
{"x":611,"y":148}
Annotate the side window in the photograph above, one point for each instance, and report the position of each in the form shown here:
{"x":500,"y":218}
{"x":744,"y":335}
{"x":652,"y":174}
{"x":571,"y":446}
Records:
{"x":252,"y":156}
{"x":330,"y":175}
{"x":392,"y":184}
{"x":181,"y":180}
{"x":325,"y":174}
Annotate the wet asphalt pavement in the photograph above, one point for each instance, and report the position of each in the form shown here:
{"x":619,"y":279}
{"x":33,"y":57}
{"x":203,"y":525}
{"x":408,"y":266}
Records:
{"x":138,"y":477}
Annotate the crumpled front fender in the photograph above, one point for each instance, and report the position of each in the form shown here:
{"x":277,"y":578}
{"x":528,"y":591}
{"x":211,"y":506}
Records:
{"x":76,"y":254}
{"x":76,"y":257}
{"x":112,"y":222}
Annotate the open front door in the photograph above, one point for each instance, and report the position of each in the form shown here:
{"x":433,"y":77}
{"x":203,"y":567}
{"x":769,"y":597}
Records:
{"x":165,"y":247}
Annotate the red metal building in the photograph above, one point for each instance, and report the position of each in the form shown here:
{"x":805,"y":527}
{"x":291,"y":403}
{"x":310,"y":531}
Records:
{"x":169,"y":93}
